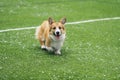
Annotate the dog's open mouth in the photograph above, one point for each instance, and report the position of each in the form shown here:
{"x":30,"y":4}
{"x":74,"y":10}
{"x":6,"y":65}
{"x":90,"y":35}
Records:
{"x":57,"y":36}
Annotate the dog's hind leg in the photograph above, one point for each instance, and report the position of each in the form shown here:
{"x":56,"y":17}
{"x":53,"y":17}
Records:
{"x":39,"y":36}
{"x":42,"y":43}
{"x":48,"y":46}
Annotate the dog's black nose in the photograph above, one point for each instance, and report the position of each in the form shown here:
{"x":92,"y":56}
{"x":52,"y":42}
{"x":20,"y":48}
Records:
{"x":57,"y":32}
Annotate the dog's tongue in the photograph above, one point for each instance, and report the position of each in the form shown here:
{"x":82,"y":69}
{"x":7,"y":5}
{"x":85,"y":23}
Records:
{"x":57,"y":36}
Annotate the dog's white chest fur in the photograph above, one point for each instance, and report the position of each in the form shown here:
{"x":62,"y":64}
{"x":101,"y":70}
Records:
{"x":57,"y":43}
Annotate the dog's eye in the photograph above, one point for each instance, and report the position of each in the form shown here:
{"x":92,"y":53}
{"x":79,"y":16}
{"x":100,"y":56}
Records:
{"x":59,"y":27}
{"x":54,"y":27}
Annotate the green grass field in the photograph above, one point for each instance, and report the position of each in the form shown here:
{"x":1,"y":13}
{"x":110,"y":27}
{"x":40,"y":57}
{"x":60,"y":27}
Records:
{"x":91,"y":50}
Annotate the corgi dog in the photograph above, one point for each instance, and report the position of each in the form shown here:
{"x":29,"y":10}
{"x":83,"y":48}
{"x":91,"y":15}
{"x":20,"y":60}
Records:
{"x":51,"y":35}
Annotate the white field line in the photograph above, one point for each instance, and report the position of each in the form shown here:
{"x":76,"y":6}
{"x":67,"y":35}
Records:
{"x":78,"y":22}
{"x":17,"y":29}
{"x":94,"y":20}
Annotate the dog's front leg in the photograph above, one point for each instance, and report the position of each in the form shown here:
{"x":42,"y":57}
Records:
{"x":58,"y":52}
{"x":48,"y":47}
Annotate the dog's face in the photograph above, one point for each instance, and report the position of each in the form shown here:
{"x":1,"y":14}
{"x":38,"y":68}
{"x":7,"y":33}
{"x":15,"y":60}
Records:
{"x":57,"y":28}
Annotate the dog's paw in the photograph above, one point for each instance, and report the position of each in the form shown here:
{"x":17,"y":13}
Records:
{"x":49,"y":49}
{"x":43,"y":47}
{"x":58,"y":52}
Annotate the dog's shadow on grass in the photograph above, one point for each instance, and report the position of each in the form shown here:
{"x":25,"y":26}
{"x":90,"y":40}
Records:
{"x":38,"y":49}
{"x":44,"y":51}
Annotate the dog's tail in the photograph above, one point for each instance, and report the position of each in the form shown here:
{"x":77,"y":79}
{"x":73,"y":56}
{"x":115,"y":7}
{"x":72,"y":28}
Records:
{"x":37,"y":32}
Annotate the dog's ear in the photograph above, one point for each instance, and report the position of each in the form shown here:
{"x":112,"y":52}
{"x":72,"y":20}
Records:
{"x":50,"y":20}
{"x":63,"y":20}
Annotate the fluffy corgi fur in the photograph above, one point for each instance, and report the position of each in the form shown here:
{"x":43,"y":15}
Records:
{"x":51,"y":35}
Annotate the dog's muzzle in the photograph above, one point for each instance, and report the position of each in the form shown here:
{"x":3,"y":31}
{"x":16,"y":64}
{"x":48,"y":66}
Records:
{"x":57,"y":33}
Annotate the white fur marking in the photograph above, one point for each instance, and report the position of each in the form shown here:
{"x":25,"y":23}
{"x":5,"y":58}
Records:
{"x":49,"y":48}
{"x":43,"y":47}
{"x":58,"y":52}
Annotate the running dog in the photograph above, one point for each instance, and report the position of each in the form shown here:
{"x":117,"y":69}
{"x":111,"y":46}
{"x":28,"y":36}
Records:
{"x":51,"y":35}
